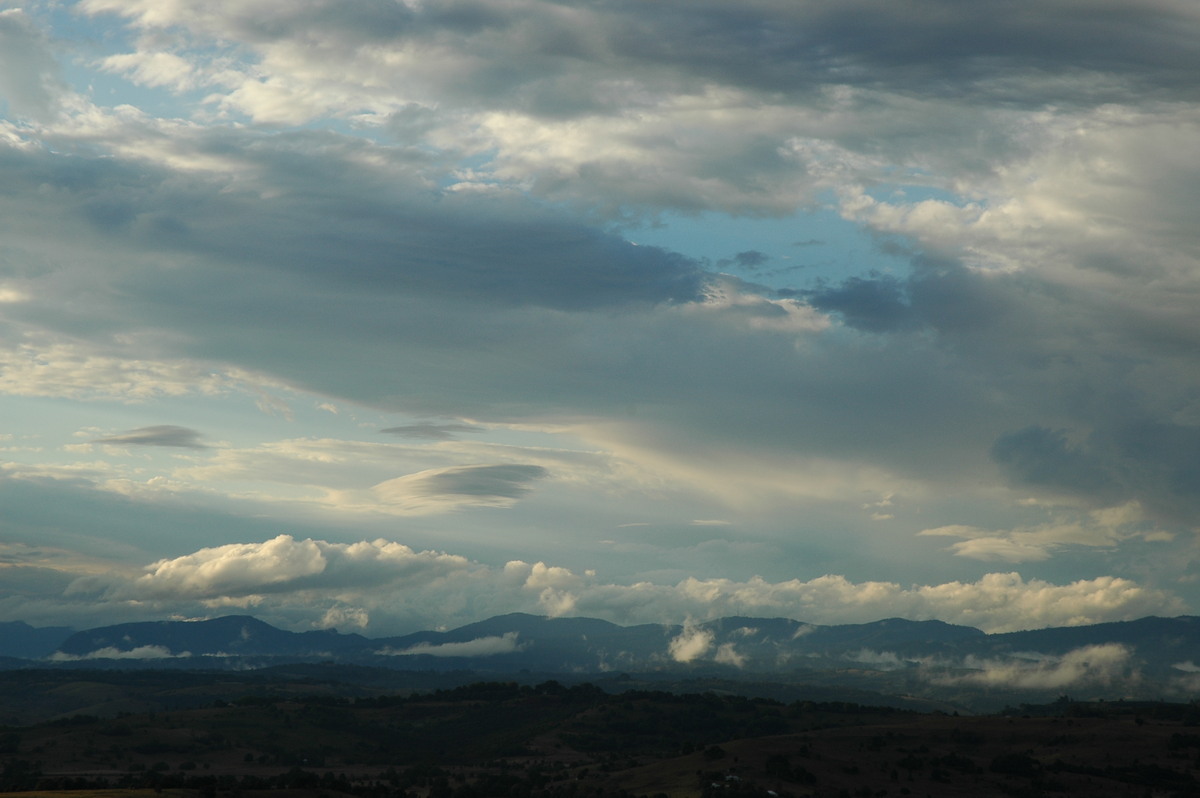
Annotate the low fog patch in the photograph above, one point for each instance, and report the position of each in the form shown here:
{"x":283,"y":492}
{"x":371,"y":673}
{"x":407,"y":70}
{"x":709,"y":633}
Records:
{"x":879,"y":660}
{"x":479,"y":647}
{"x":112,"y":652}
{"x":1101,"y":664}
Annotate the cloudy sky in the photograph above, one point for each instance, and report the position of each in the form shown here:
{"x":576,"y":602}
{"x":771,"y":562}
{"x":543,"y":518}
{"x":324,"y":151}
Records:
{"x":397,"y":314}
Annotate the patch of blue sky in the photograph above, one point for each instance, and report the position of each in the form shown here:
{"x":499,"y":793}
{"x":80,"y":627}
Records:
{"x":90,"y":41}
{"x":109,"y":90}
{"x":796,"y":251}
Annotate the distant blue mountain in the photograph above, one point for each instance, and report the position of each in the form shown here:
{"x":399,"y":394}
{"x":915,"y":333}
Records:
{"x":519,"y":641}
{"x":232,"y":635}
{"x":19,"y":639}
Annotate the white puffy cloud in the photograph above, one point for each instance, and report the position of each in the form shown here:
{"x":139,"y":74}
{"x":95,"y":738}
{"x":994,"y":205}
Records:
{"x":995,"y":603}
{"x":285,"y":564}
{"x":153,"y":69}
{"x":691,"y":644}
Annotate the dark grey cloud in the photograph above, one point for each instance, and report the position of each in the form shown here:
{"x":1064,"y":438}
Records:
{"x":932,"y":46}
{"x":875,"y":304}
{"x":158,"y":435}
{"x":1043,"y":458}
{"x":939,"y":293}
{"x":1156,"y":463}
{"x":529,"y":55}
{"x":751,"y":259}
{"x":323,"y":228}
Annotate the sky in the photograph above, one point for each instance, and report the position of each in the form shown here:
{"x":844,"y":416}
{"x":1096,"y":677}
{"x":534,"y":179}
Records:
{"x":398,"y":314}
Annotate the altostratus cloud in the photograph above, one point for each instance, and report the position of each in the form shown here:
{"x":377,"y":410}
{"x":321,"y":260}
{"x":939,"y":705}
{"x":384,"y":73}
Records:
{"x":374,"y":578}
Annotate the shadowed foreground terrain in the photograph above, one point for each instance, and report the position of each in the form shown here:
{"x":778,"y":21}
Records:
{"x":505,"y":739}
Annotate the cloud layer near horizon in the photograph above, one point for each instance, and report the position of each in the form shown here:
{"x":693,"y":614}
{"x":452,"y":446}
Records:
{"x":242,"y":240}
{"x":389,"y":588}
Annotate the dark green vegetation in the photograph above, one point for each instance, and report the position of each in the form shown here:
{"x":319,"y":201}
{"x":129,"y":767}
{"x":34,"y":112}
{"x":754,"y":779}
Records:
{"x":31,"y":695}
{"x":304,"y":737}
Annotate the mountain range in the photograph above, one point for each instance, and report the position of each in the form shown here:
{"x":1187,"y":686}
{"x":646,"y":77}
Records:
{"x":505,"y":642}
{"x":1158,"y":649}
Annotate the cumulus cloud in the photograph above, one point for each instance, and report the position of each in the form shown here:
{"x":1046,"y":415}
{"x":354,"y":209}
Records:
{"x":603,"y":100}
{"x":691,"y":644}
{"x":479,"y":647}
{"x":285,"y":564}
{"x":1102,"y":664}
{"x":997,"y":602}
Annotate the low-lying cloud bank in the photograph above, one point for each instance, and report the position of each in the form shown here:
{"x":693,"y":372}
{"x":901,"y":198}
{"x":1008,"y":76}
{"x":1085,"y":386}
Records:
{"x":384,"y":587}
{"x":1106,"y":665}
{"x":479,"y":647}
{"x":112,"y":652}
{"x":1102,"y":664}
